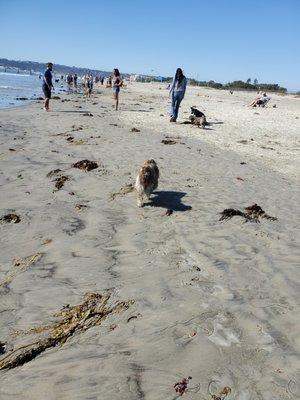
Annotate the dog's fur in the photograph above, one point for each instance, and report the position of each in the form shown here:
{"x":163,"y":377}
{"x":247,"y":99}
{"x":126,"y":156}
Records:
{"x":146,"y":181}
{"x":197,"y":118}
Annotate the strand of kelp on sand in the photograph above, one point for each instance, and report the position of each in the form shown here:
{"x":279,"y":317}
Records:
{"x":72,"y":320}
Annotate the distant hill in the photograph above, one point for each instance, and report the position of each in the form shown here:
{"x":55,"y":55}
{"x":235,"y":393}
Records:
{"x":36,"y":67}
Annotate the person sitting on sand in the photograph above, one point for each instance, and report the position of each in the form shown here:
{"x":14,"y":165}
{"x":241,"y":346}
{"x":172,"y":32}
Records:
{"x":116,"y":82}
{"x":177,"y":91}
{"x":47,"y":85}
{"x":260,"y":101}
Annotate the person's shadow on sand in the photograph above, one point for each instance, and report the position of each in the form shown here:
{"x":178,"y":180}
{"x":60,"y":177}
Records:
{"x":169,"y":200}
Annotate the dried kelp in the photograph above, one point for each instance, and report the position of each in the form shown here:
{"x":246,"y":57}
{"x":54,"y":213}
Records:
{"x":228,"y":213}
{"x":168,"y":141}
{"x":20,"y":265}
{"x":252,"y":214}
{"x":181,"y":386}
{"x":59,"y":182}
{"x":123,"y":191}
{"x":223,"y":393}
{"x":85,"y":165}
{"x":71,"y":320}
{"x":255,"y":211}
{"x":53,"y":173}
{"x":10,"y":218}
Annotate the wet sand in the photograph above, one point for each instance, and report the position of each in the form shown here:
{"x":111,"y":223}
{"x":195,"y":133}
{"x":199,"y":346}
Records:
{"x":213,"y":300}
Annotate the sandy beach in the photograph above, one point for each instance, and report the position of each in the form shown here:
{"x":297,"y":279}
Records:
{"x":188,"y":295}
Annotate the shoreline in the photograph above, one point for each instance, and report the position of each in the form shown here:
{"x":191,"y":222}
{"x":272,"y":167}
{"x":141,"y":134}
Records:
{"x":213,"y":300}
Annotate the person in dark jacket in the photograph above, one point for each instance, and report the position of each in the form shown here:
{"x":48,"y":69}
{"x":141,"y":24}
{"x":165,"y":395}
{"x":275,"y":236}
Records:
{"x":47,"y":85}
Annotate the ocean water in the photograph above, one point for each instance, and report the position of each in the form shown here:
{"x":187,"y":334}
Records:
{"x":18,"y":85}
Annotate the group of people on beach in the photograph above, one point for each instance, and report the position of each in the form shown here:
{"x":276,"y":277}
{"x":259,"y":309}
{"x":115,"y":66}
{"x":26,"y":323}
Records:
{"x":115,"y":81}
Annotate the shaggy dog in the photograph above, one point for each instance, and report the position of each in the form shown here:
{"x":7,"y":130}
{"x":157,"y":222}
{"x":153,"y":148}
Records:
{"x":146,"y":181}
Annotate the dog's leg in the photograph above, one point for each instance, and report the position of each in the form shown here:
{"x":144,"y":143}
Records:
{"x":148,"y":192}
{"x":140,"y":201}
{"x":140,"y":196}
{"x":139,"y":191}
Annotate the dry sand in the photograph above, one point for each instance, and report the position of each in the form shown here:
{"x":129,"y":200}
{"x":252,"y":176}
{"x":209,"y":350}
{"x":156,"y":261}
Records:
{"x":213,"y":300}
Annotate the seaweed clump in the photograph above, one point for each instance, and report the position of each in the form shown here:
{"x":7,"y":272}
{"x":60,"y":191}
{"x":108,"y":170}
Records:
{"x":256,"y":212}
{"x":223,"y":394}
{"x":181,"y":386}
{"x":251,"y":213}
{"x":60,"y":181}
{"x":228,"y":213}
{"x":10,"y":218}
{"x":168,"y":141}
{"x":54,"y":172}
{"x":71,"y":320}
{"x":86,"y":165}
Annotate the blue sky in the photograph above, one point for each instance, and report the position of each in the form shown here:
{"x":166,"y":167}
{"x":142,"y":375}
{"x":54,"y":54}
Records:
{"x":221,"y":40}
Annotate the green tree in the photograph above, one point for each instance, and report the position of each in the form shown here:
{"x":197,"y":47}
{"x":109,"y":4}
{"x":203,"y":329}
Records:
{"x":248,"y":80}
{"x":255,"y":82}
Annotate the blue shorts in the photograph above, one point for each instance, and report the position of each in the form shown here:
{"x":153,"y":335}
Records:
{"x":47,"y":92}
{"x":116,"y":89}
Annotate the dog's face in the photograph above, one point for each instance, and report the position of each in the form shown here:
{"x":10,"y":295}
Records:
{"x":196,"y":112}
{"x":147,"y":180}
{"x":149,"y":173}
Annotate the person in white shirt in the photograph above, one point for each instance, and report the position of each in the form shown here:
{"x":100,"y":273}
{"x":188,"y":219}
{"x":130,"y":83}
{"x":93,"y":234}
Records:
{"x":177,"y":91}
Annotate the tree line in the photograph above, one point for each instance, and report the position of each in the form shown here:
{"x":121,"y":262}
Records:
{"x":241,"y":85}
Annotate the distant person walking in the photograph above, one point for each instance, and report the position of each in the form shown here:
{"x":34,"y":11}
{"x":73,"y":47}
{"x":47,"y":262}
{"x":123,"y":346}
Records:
{"x":116,"y":82}
{"x":75,"y":81}
{"x":177,"y":91}
{"x":47,"y":85}
{"x":69,"y":79}
{"x":89,"y":85}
